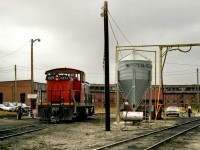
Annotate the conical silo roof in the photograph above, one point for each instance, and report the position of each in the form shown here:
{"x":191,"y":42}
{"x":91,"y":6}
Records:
{"x":134,"y":56}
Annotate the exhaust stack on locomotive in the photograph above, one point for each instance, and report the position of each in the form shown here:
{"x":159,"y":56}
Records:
{"x":67,"y":96}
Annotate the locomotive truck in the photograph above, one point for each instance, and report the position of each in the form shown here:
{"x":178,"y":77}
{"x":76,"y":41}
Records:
{"x":67,"y":96}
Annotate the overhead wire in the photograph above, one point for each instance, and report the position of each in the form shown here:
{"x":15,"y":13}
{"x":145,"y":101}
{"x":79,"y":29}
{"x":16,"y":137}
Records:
{"x":113,"y":31}
{"x":20,"y":68}
{"x":182,"y":50}
{"x":119,"y":28}
{"x":6,"y":67}
{"x":6,"y":71}
{"x":134,"y":50}
{"x":180,"y":73}
{"x":14,"y":51}
{"x":168,"y":49}
{"x":183,"y":64}
{"x":164,"y":54}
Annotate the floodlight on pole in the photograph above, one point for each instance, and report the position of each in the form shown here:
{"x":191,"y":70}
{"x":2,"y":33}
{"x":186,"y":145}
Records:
{"x":32,"y":82}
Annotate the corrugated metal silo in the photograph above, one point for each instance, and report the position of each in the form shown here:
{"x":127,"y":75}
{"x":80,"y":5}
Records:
{"x":134,"y":77}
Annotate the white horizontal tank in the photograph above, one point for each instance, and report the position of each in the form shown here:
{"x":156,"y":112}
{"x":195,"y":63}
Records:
{"x":132,"y":116}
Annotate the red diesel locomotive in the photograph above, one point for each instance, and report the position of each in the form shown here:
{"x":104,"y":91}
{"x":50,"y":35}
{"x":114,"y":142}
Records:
{"x":67,"y":96}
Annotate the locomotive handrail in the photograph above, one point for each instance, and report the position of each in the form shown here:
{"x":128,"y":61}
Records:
{"x":83,"y":104}
{"x":71,"y":96}
{"x":74,"y":105}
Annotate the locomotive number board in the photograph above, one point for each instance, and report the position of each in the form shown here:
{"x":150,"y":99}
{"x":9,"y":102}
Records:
{"x":57,"y":77}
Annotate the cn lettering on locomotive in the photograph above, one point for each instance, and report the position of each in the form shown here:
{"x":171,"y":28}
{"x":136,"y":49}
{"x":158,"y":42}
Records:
{"x":67,"y":96}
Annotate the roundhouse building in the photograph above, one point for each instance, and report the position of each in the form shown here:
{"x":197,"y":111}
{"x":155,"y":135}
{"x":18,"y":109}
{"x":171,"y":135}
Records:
{"x":98,"y":92}
{"x":179,"y":95}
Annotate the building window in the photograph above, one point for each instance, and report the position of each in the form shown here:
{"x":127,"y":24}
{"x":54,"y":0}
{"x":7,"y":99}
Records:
{"x":22,"y":97}
{"x":181,"y":101}
{"x":91,"y":87}
{"x":1,"y":98}
{"x":101,"y":88}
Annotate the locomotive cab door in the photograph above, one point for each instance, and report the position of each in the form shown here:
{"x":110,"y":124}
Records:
{"x":56,"y":92}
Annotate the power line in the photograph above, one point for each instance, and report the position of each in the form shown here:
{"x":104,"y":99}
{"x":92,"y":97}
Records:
{"x":6,"y":67}
{"x":119,"y":29}
{"x":191,"y":70}
{"x":179,"y":73}
{"x":126,"y":37}
{"x":7,"y":70}
{"x":15,"y":51}
{"x":183,"y":64}
{"x":179,"y":64}
{"x":113,"y":31}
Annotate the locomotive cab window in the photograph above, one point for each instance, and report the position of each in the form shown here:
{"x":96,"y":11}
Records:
{"x":50,"y":77}
{"x":69,"y":74}
{"x":78,"y":76}
{"x":83,"y":76}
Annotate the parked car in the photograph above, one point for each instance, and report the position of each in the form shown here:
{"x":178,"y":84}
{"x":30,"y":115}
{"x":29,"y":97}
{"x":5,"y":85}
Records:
{"x":173,"y":110}
{"x":8,"y":106}
{"x":1,"y":105}
{"x":25,"y":108}
{"x":12,"y":106}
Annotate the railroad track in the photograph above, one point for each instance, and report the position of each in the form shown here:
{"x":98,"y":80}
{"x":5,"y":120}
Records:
{"x":11,"y":132}
{"x":154,"y":139}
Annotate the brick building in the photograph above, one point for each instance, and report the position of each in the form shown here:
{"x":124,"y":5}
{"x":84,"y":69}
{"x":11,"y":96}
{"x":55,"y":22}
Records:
{"x":11,"y":91}
{"x":97,"y":91}
{"x":179,"y":95}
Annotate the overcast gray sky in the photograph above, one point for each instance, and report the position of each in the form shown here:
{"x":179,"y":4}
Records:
{"x":72,"y":35}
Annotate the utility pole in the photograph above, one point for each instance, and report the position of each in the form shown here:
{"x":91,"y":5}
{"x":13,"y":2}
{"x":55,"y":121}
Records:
{"x":32,"y":82}
{"x":31,"y":66}
{"x":106,"y":54}
{"x":15,"y":90}
{"x":198,"y":89}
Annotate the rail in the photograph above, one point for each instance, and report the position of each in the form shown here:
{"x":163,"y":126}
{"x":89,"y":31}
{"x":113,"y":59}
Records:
{"x":166,"y":132}
{"x":171,"y":137}
{"x":7,"y":133}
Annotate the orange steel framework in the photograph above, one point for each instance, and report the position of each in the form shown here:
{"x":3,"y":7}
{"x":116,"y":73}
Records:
{"x":169,"y":47}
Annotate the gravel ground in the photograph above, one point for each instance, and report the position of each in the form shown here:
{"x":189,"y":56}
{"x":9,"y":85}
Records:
{"x":79,"y":135}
